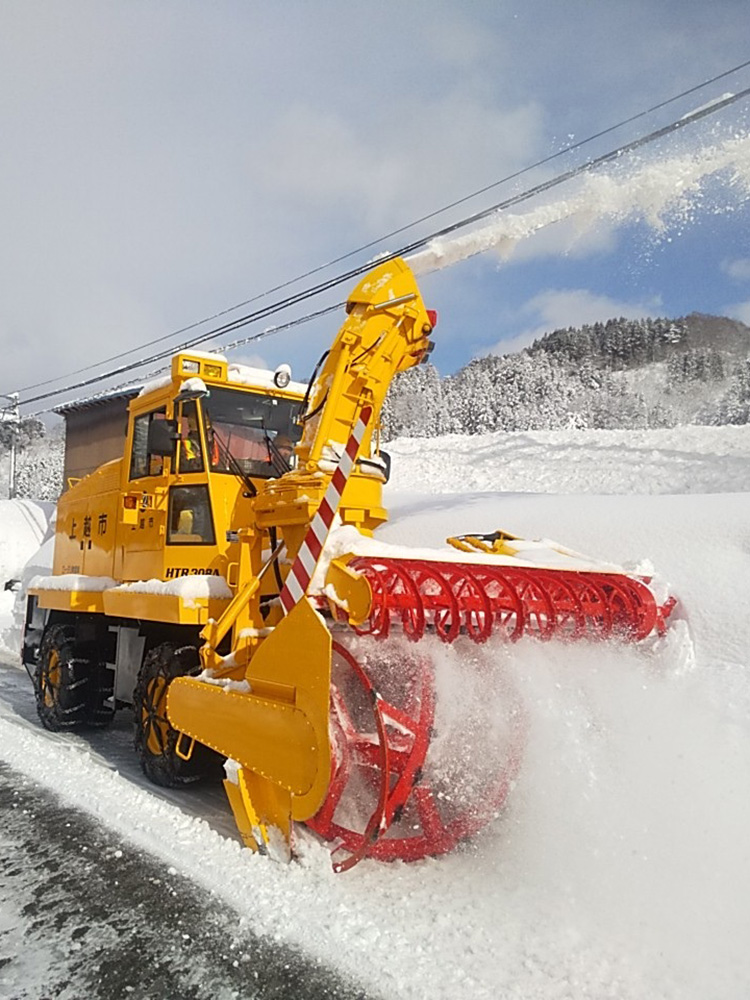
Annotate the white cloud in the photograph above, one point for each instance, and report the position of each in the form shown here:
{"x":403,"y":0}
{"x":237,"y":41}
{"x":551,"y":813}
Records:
{"x":458,"y":41}
{"x":738,"y":269}
{"x":252,"y":360}
{"x":394,"y":164}
{"x":164,"y":166}
{"x":740,"y":311}
{"x":558,"y":309}
{"x":163,"y":161}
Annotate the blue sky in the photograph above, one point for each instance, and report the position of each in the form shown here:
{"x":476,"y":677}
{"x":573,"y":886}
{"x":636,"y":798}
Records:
{"x":162,"y":161}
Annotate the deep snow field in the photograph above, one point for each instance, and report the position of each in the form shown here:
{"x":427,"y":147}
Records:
{"x":620,"y":867}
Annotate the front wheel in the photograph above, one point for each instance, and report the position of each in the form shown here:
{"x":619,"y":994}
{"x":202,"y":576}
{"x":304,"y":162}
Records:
{"x":155,"y":739}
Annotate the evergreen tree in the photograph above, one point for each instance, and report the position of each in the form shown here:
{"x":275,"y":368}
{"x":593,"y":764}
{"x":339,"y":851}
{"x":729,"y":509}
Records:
{"x":619,"y":373}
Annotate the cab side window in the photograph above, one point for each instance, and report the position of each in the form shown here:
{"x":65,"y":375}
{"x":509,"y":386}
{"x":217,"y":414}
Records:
{"x":190,"y":447}
{"x":142,"y":463}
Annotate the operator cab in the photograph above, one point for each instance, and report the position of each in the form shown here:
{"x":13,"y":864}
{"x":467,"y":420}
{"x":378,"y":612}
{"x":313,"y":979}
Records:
{"x":206,"y":439}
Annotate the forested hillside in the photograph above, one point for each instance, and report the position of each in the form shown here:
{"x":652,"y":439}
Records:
{"x":619,"y":374}
{"x":628,"y":374}
{"x":39,"y":459}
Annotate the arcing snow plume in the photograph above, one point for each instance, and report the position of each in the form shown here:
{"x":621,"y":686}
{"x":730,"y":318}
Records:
{"x":652,"y":194}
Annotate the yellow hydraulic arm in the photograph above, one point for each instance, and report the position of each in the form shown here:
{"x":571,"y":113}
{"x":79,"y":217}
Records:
{"x":387,"y":331}
{"x":269,"y":711}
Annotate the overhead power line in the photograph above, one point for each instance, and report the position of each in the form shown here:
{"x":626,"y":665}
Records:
{"x":410,"y":248}
{"x":395,"y":232}
{"x":266,"y":332}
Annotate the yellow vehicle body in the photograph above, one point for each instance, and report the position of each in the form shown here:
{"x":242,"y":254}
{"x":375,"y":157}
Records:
{"x":140,"y":574}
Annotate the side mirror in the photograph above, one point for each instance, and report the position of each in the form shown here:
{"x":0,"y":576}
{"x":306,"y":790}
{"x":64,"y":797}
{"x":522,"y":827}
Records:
{"x":378,"y":466}
{"x":162,"y":435}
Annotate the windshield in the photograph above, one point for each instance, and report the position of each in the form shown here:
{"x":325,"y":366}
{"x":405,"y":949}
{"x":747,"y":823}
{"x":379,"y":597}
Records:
{"x":258,"y":432}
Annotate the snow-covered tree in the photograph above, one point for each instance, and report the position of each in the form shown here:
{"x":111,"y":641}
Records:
{"x":733,"y":407}
{"x":620,"y":373}
{"x":414,"y":405}
{"x":39,"y":463}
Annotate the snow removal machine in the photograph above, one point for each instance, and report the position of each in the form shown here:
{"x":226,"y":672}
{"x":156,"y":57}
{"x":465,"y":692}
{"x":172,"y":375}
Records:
{"x":222,"y":579}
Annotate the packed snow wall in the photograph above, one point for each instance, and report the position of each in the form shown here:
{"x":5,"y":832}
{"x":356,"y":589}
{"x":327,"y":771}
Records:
{"x":26,"y":544}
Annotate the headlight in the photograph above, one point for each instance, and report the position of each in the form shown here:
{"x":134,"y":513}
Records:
{"x":282,"y":376}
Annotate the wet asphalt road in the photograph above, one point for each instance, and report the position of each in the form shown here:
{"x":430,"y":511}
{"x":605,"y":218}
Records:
{"x":84,"y":916}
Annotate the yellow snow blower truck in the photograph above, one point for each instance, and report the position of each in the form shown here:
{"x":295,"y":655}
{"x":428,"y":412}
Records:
{"x":221,"y":578}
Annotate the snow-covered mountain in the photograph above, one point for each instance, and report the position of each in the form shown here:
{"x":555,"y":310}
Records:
{"x":620,"y":374}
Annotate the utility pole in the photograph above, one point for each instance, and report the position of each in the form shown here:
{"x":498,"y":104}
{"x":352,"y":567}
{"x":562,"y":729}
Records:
{"x":13,"y":417}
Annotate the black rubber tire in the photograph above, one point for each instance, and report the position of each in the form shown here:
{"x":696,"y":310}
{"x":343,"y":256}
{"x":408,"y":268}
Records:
{"x":62,"y":681}
{"x":155,"y":739}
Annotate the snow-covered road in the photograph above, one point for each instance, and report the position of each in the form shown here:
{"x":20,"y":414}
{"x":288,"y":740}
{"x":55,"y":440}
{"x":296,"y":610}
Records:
{"x":85,"y":914}
{"x":620,"y":867}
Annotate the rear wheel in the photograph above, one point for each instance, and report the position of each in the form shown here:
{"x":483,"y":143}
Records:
{"x":156,"y":740}
{"x":62,"y":681}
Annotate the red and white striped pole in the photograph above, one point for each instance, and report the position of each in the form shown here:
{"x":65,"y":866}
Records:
{"x":303,"y":567}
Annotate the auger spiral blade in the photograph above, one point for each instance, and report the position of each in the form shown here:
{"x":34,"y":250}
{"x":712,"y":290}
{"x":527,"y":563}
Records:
{"x":480,"y":599}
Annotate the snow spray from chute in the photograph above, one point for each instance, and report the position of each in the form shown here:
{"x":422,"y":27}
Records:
{"x":657,"y":194}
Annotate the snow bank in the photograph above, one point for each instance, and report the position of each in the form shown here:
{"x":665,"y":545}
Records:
{"x":73,"y":581}
{"x":683,"y":459}
{"x":187,"y":587}
{"x":23,"y":526}
{"x":619,"y":868}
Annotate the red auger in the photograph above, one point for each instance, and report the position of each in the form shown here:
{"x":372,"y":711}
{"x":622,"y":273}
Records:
{"x":481,"y":599}
{"x":384,"y":800}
